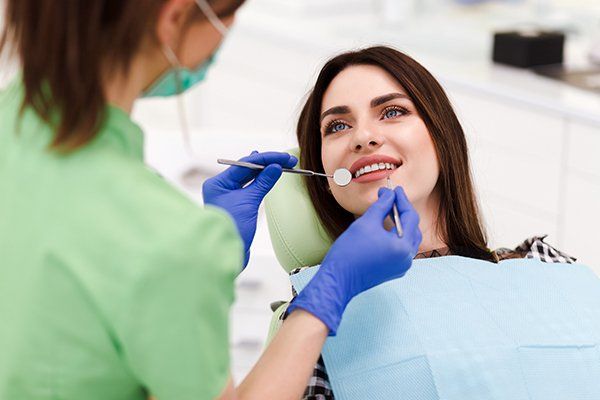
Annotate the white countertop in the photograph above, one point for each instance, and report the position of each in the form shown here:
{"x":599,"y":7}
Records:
{"x":459,"y":56}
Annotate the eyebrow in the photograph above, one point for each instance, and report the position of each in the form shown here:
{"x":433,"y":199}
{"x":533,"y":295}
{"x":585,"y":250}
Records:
{"x":335,"y":110}
{"x":377,"y":101}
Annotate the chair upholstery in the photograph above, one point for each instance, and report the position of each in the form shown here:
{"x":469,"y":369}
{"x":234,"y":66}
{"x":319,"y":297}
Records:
{"x":298,"y":238}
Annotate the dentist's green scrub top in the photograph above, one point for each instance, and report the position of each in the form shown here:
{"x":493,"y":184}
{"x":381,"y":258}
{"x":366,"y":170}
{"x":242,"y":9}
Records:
{"x":112,"y":284}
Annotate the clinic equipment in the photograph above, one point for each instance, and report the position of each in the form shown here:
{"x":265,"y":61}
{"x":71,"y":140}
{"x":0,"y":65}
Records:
{"x":342,"y":177}
{"x":528,"y":48}
{"x":396,"y":213}
{"x":461,"y":328}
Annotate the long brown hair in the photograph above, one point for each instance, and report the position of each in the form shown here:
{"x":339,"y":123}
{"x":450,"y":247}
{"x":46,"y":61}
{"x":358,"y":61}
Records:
{"x":64,"y":46}
{"x":459,"y":217}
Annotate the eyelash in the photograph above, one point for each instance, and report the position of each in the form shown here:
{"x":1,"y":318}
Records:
{"x":329,"y":128}
{"x":403,"y":111}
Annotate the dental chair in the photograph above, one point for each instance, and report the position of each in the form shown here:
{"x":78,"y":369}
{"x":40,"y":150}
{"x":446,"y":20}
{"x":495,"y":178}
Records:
{"x":298,"y":238}
{"x":470,"y":329}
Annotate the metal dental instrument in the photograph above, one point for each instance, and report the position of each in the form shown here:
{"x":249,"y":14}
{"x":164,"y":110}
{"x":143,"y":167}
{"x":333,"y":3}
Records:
{"x":341,"y":176}
{"x":396,"y":213}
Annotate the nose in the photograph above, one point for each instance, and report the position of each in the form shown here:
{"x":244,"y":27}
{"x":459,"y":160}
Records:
{"x":366,"y":138}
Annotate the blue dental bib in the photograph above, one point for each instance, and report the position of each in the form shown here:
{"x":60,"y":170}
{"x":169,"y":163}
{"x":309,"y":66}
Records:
{"x":456,"y":328}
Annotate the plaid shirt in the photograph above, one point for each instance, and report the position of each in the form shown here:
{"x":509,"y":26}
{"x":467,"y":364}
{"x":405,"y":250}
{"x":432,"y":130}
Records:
{"x":319,"y":387}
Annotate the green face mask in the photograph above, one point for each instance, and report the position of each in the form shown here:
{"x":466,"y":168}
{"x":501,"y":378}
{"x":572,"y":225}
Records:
{"x":179,"y":79}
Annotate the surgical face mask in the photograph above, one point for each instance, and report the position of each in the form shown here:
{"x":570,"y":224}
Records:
{"x":179,"y":79}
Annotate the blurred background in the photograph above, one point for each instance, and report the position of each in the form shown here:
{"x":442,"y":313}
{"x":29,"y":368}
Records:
{"x":534,"y":140}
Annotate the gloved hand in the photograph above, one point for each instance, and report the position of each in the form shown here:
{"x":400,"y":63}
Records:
{"x":228,"y":190}
{"x":364,"y":256}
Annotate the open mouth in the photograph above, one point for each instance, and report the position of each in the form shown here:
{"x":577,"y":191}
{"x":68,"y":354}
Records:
{"x":374,"y":167}
{"x":367,"y":169}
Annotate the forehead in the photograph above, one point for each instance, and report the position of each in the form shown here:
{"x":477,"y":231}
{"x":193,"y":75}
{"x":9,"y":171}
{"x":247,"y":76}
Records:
{"x":355,"y":86}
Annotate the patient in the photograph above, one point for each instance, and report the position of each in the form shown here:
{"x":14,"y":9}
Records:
{"x":379,"y":113}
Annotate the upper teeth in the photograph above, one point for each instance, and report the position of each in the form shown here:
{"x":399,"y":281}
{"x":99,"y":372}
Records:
{"x":374,"y":167}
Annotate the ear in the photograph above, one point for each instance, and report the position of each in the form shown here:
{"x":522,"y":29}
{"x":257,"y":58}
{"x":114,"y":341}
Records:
{"x":171,"y":20}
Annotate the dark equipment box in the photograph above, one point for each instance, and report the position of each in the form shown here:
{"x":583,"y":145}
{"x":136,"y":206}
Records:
{"x":528,"y":48}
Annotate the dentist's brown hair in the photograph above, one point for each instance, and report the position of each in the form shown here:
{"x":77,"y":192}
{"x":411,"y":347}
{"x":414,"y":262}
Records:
{"x":66,"y":47}
{"x":460,"y":223}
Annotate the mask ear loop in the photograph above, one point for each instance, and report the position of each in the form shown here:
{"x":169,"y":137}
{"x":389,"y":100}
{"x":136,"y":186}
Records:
{"x":190,"y":175}
{"x":182,"y":111}
{"x":193,"y":176}
{"x":212,"y":17}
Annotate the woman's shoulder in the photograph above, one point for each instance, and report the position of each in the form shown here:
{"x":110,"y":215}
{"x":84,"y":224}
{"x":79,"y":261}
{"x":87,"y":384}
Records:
{"x":535,"y":247}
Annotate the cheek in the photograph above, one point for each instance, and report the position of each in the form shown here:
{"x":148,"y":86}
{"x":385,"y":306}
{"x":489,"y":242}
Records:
{"x":425,"y":154}
{"x":423,"y":167}
{"x":329,"y":156}
{"x":332,"y":157}
{"x":194,"y":52}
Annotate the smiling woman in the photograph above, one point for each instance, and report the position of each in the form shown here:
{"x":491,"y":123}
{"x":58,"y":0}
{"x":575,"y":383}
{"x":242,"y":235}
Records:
{"x":379,"y":113}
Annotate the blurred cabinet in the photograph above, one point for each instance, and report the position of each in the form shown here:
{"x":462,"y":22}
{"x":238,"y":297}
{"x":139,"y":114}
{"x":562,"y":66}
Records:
{"x":584,"y":149}
{"x":260,"y":284}
{"x":582,"y":218}
{"x":536,"y":172}
{"x":582,"y":193}
{"x":516,"y":155}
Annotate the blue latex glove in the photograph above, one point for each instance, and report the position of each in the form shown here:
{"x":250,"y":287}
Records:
{"x":230,"y":190}
{"x":364,"y":256}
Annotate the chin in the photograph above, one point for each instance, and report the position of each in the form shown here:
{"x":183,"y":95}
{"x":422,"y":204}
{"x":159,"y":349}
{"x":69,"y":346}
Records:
{"x":359,"y":203}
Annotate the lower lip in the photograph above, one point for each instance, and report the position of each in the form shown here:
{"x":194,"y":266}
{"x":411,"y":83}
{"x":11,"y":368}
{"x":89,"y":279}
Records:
{"x":374,"y":176}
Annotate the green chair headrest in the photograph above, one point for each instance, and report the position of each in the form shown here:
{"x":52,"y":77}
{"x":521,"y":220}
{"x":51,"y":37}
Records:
{"x":297,"y":235}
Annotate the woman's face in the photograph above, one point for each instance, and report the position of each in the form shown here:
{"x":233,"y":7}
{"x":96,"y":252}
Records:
{"x":371,"y":127}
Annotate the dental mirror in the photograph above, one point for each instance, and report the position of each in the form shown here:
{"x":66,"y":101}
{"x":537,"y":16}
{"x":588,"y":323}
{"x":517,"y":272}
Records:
{"x":342,"y":177}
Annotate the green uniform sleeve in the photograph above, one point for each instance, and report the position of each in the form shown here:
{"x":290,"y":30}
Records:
{"x":175,"y":338}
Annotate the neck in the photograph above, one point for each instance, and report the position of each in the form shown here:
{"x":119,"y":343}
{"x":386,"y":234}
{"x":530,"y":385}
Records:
{"x":121,"y":93}
{"x":123,"y":88}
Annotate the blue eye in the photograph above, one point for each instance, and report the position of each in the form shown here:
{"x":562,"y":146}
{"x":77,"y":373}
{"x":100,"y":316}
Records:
{"x":393,"y":112}
{"x":336,"y":126}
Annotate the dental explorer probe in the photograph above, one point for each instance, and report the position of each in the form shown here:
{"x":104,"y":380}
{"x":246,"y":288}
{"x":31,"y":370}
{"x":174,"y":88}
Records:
{"x":341,"y":176}
{"x":396,"y":213}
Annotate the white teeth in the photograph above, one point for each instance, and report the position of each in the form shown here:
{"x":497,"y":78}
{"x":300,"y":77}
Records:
{"x":374,"y":167}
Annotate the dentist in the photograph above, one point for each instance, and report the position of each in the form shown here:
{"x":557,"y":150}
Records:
{"x":114,"y":286}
